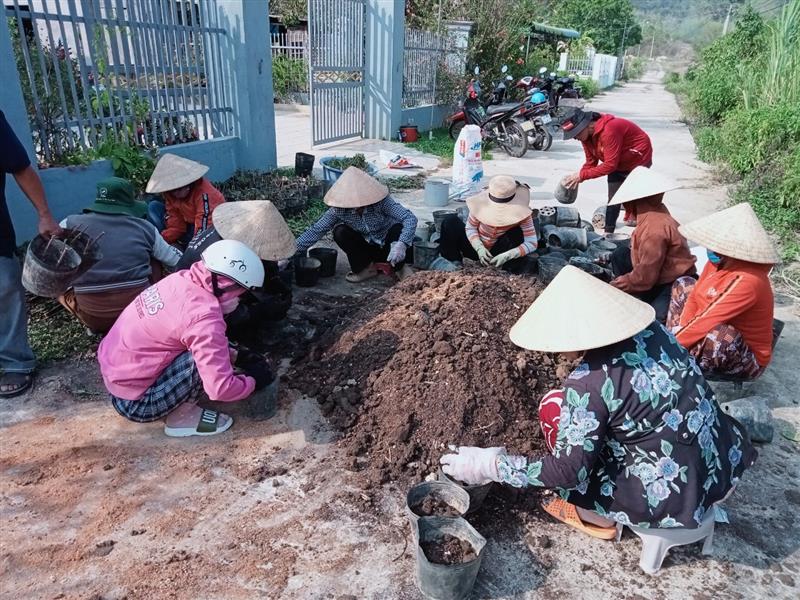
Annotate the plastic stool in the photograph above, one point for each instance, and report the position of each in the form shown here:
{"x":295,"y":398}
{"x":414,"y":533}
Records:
{"x":385,"y":268}
{"x":657,"y":542}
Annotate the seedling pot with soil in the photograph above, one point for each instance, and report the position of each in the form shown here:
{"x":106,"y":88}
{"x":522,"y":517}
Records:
{"x":435,"y":499}
{"x":477,"y":493}
{"x":326,"y":256}
{"x":565,"y":195}
{"x":568,"y":237}
{"x":263,"y":404}
{"x":550,"y":266}
{"x":307,"y":271}
{"x":449,"y":555}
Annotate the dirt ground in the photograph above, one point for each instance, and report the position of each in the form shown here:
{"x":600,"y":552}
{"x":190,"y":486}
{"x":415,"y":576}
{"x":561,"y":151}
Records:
{"x":94,"y":507}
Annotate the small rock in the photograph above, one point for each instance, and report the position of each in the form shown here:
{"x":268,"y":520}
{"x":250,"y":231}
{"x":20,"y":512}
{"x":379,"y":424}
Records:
{"x":443,"y":348}
{"x":351,"y":382}
{"x":104,"y":548}
{"x":108,"y":467}
{"x":754,"y":413}
{"x":138,"y":531}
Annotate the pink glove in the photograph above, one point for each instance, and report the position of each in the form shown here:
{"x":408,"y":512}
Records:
{"x":472,"y":465}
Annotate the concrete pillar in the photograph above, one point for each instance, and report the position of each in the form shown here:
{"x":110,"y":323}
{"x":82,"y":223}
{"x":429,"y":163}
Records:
{"x":383,"y":68}
{"x":562,"y":61}
{"x":458,"y":32}
{"x":247,"y":60}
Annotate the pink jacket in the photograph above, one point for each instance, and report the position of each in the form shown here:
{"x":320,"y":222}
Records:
{"x":178,"y":313}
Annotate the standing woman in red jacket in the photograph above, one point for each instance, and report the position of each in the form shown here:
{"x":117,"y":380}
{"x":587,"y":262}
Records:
{"x":724,"y":319}
{"x":613,"y":147}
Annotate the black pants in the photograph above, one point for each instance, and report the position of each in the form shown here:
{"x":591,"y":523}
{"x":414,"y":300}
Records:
{"x":361,"y":253}
{"x":615,"y":181}
{"x":454,"y":245}
{"x":658,"y":296}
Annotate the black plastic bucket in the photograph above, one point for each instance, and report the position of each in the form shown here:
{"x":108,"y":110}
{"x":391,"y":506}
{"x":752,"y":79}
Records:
{"x":447,"y":582}
{"x":307,"y":271}
{"x":424,"y":254}
{"x":326,"y":256}
{"x":303,"y":164}
{"x":441,"y":215}
{"x":50,"y":267}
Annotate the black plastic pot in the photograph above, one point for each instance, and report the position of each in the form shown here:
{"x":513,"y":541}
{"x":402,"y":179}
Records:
{"x":477,"y":493}
{"x":448,"y":492}
{"x":568,"y":237}
{"x":447,"y":582}
{"x":327,"y":256}
{"x":424,"y":254}
{"x":263,"y":404}
{"x":587,"y":265}
{"x":441,"y":215}
{"x":307,"y":271}
{"x":303,"y":164}
{"x":549,"y":267}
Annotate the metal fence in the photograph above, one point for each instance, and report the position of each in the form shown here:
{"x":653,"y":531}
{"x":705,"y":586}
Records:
{"x":424,"y":56}
{"x":144,"y":72}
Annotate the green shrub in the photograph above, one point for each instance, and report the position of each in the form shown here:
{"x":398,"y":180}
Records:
{"x":589,"y":87}
{"x":750,"y":137}
{"x":672,"y":78}
{"x":707,"y":140}
{"x":634,"y":68}
{"x":289,"y":75}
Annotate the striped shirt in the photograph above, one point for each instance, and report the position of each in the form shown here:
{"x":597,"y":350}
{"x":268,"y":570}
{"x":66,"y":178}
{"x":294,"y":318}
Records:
{"x":373,"y":223}
{"x":488,"y":234}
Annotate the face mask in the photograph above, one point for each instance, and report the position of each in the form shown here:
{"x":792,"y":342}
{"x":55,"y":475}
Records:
{"x":229,"y":305}
{"x":713,"y":258}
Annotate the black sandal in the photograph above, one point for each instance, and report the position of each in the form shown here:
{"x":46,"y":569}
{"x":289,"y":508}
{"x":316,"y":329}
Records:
{"x":21,"y":382}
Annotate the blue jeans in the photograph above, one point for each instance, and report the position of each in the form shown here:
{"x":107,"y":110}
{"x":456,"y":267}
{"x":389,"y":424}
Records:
{"x":16,"y":355}
{"x":157,"y":215}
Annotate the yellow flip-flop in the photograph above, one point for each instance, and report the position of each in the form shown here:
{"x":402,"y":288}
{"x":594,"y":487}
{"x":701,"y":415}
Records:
{"x":565,"y":512}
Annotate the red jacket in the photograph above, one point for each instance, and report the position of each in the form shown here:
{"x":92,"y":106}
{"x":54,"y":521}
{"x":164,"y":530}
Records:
{"x":737,"y":293}
{"x":619,"y":144}
{"x":195,"y":209}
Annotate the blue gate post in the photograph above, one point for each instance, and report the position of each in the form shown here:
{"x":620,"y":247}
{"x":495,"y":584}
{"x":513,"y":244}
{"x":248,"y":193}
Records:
{"x":383,"y":69}
{"x":249,"y":65}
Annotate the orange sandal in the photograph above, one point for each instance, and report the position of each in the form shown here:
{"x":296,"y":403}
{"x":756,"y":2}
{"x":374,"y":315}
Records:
{"x":565,"y":512}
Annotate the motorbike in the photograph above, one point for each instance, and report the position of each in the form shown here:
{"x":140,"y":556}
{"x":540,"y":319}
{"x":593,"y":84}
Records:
{"x":496,"y":121}
{"x":535,"y":120}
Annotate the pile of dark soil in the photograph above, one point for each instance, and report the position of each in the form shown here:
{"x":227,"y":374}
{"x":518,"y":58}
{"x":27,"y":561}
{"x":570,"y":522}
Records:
{"x":430,"y":364}
{"x":448,"y":550}
{"x":432,"y":505}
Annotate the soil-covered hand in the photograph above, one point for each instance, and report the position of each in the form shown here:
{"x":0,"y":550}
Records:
{"x":484,"y":256}
{"x":472,"y":465}
{"x":571,"y":181}
{"x":501,"y":259}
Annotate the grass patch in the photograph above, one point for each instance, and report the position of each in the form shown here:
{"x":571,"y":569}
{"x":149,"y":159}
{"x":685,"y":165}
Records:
{"x":54,"y":333}
{"x":441,"y":145}
{"x":302,"y":221}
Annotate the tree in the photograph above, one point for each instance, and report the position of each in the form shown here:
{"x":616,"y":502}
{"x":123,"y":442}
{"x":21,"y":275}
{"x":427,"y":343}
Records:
{"x":610,"y":23}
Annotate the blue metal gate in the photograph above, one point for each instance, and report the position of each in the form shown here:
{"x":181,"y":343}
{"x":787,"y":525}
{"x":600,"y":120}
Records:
{"x":336,"y":47}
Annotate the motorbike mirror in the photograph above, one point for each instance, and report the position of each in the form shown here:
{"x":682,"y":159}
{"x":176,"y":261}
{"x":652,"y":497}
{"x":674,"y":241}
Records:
{"x":509,"y":78}
{"x":552,"y":73}
{"x":543,"y":70}
{"x":477,"y":70}
{"x":504,"y":69}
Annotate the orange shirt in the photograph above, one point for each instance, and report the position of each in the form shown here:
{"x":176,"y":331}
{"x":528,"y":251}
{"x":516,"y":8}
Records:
{"x":195,"y":209}
{"x":737,"y":293}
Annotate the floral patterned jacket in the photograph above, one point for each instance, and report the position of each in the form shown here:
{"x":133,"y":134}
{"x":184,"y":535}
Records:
{"x":641,"y":438}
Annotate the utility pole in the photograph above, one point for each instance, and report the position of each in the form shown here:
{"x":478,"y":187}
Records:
{"x":727,"y":19}
{"x":652,"y":44}
{"x":621,"y":65}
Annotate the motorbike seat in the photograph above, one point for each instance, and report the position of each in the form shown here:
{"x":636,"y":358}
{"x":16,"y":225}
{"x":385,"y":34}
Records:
{"x":502,"y":108}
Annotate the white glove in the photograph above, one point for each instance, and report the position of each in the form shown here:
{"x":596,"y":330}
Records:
{"x":472,"y":465}
{"x":397,"y":253}
{"x":484,"y":256}
{"x":282,"y":264}
{"x":502,"y":258}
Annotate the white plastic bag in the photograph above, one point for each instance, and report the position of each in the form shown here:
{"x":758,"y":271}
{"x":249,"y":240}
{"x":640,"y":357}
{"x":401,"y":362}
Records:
{"x":467,"y":162}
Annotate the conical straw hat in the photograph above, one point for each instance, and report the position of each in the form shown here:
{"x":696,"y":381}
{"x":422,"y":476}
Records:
{"x":505,"y":202}
{"x":355,"y":189}
{"x":641,"y":183}
{"x":578,"y":312}
{"x":734,"y":232}
{"x":173,"y":172}
{"x":257,"y":224}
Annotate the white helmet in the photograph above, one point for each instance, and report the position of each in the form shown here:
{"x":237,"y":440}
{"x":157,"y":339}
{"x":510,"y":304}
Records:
{"x":236,"y":261}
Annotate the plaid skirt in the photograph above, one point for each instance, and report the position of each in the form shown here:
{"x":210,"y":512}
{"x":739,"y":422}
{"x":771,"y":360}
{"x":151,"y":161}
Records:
{"x":180,"y":382}
{"x":723,"y":350}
